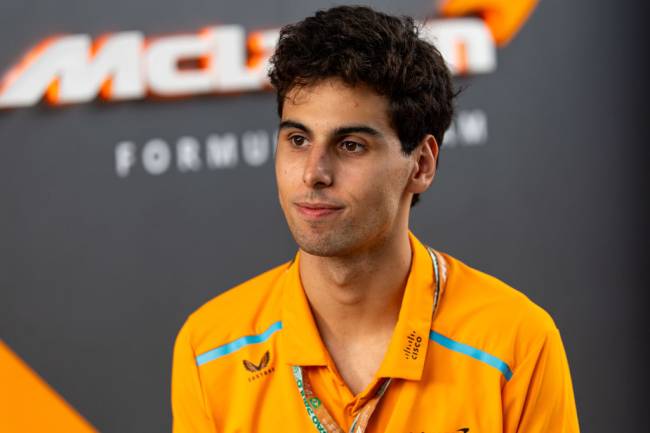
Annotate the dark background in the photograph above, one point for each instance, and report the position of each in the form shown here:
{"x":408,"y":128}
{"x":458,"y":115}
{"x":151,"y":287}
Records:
{"x":97,"y":272}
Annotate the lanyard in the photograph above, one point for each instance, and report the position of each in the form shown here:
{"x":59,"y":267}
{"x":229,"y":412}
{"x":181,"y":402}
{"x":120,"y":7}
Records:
{"x":320,"y":416}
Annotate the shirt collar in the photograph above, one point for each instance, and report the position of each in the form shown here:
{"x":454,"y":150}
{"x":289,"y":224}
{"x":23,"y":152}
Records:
{"x":407,"y":349}
{"x":405,"y":357}
{"x":301,"y":342}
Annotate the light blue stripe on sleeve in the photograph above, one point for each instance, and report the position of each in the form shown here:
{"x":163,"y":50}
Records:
{"x":475,"y":353}
{"x":220,"y":351}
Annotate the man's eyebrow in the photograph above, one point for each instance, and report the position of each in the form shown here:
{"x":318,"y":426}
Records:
{"x":338,"y":132}
{"x":286,"y":124}
{"x":355,"y":129}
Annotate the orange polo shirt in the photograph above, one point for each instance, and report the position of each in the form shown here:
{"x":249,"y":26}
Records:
{"x":489,"y":361}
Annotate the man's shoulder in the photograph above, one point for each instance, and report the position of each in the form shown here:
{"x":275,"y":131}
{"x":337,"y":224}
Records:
{"x":471,"y":289}
{"x":485,"y":312}
{"x":249,"y":308}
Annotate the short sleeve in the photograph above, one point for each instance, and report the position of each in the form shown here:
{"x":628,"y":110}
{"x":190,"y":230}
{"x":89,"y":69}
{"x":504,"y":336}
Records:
{"x":539,"y":396}
{"x":189,"y":411}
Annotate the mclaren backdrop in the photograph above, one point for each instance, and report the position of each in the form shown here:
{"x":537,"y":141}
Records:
{"x":120,"y":214}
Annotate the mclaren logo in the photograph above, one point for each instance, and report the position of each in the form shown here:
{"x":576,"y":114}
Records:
{"x":73,"y":69}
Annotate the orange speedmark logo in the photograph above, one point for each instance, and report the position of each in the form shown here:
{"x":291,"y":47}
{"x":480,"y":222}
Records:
{"x":503,"y":17}
{"x":29,"y":404}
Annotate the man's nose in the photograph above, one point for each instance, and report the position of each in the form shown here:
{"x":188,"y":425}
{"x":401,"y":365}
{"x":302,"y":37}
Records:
{"x":318,"y":167}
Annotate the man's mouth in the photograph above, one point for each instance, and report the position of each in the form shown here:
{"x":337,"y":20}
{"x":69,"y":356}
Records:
{"x":318,"y":209}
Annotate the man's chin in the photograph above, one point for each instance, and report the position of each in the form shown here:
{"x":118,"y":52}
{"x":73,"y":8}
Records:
{"x":319,"y":249}
{"x":323,"y":245}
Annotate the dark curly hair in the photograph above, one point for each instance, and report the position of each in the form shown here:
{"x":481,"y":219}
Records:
{"x":360,"y":45}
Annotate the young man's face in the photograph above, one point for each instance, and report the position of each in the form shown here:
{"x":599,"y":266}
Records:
{"x":342,"y":177}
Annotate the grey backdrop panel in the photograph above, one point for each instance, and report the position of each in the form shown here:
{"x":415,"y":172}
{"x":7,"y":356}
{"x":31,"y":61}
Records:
{"x":98,"y":273}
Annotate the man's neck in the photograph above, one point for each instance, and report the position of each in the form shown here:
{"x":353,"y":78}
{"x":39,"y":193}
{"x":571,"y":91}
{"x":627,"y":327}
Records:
{"x":357,"y":294}
{"x":356,"y":299}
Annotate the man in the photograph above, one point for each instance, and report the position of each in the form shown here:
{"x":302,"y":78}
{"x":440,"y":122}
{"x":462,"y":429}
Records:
{"x":366,"y":329}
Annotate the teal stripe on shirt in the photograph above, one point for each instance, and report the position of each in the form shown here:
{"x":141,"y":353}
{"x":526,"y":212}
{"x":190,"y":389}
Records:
{"x":475,"y":353}
{"x":233,"y":346}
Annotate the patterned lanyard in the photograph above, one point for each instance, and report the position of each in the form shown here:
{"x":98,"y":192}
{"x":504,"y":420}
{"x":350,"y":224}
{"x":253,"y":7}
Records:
{"x":317,"y":412}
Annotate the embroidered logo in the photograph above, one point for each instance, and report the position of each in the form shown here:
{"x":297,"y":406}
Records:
{"x":260,"y":369}
{"x":412,"y":348}
{"x":263,"y":363}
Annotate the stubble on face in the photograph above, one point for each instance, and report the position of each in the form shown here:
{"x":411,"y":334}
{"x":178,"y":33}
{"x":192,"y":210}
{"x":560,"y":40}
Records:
{"x":341,"y":239}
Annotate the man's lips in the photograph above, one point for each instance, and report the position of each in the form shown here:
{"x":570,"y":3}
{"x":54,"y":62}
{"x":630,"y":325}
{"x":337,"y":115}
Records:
{"x":317,"y":210}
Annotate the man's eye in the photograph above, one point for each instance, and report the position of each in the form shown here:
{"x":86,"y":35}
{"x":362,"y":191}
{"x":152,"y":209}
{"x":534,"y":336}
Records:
{"x":297,"y":140}
{"x":352,"y":146}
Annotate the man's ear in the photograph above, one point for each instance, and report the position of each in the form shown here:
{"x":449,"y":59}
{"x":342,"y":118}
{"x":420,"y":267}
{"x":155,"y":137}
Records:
{"x":424,"y":170}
